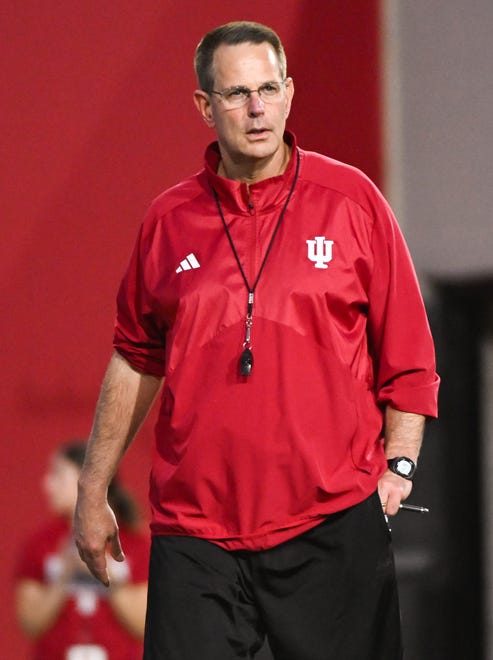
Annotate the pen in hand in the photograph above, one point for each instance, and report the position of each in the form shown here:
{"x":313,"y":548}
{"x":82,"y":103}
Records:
{"x":409,"y":507}
{"x":414,"y":507}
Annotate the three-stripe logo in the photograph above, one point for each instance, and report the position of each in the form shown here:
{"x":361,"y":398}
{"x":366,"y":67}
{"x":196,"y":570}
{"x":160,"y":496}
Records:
{"x":188,"y":263}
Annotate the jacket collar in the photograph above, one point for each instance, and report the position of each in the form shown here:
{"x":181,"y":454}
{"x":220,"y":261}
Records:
{"x":237,"y":197}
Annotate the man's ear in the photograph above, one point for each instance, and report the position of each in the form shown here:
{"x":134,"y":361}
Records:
{"x":289,"y":94}
{"x":203,"y":104}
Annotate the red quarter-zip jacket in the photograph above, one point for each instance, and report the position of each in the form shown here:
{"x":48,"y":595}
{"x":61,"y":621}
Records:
{"x":339,"y":331}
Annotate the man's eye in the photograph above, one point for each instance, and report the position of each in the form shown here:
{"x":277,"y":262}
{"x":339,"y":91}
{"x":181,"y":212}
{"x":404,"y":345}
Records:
{"x":269,"y":88}
{"x":237,"y":92}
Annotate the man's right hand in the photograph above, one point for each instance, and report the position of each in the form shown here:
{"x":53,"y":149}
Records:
{"x":125,"y":398}
{"x":95,"y":528}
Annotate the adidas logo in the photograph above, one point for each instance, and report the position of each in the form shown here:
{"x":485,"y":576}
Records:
{"x":188,"y":263}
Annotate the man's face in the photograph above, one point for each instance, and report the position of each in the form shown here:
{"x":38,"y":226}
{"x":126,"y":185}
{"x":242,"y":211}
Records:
{"x":255,"y":130}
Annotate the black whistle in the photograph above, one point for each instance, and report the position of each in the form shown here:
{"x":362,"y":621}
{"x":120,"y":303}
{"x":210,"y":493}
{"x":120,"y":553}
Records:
{"x":246,"y":362}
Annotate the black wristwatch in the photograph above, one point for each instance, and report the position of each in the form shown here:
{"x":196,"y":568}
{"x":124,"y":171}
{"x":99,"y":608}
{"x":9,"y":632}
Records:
{"x":402,"y":466}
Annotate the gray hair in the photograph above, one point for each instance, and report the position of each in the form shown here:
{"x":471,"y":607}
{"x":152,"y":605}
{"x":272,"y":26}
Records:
{"x":232,"y":34}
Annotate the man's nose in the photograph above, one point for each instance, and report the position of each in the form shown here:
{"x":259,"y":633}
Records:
{"x":255,"y":104}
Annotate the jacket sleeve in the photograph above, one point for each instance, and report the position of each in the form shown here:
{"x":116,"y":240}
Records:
{"x":139,"y":333}
{"x":399,"y":333}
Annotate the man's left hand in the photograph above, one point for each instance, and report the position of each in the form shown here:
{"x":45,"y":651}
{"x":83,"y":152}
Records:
{"x":392,"y":490}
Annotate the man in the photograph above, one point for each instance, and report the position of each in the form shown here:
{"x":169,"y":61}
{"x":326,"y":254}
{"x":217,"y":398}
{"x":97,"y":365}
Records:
{"x":275,"y":297}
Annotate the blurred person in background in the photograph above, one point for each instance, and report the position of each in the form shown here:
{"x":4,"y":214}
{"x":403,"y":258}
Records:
{"x":68,"y":614}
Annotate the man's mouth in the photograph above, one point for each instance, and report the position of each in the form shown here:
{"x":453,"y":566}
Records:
{"x":257,"y":131}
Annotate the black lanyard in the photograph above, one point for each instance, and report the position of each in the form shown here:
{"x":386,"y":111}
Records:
{"x":246,"y":358}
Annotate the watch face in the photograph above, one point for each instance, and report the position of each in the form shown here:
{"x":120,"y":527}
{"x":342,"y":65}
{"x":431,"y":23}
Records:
{"x":404,"y":467}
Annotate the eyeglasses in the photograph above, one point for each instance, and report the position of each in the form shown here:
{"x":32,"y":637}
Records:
{"x":235,"y":97}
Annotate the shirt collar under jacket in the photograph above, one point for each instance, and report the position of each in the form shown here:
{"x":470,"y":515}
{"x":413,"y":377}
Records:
{"x":237,"y":197}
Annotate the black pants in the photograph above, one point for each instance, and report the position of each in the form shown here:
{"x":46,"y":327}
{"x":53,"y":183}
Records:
{"x":328,"y":594}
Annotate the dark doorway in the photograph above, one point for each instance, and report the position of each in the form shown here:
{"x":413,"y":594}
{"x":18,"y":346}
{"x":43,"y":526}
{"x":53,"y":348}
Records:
{"x":439,"y":555}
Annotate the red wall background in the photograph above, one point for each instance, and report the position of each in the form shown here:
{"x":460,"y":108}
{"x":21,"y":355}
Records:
{"x":97,"y":118}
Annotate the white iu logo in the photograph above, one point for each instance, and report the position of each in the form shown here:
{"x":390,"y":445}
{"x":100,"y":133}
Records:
{"x":320,"y":251}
